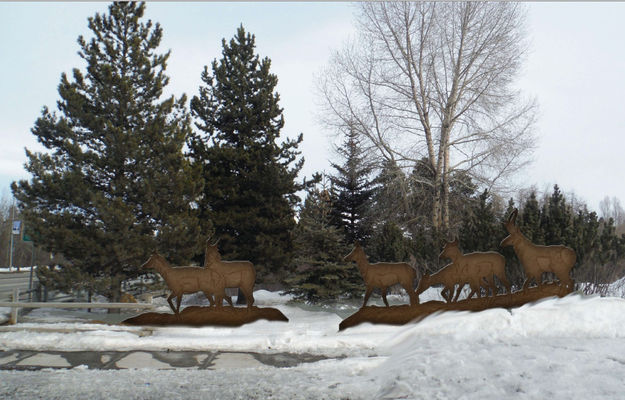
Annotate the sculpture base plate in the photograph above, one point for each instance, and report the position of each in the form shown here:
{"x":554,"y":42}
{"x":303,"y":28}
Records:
{"x":208,"y":316}
{"x":400,"y":315}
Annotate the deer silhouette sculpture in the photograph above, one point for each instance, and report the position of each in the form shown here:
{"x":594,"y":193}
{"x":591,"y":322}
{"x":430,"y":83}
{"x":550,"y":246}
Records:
{"x":236,"y":274}
{"x":383,"y":275}
{"x":476,"y":267}
{"x":538,"y":259}
{"x":186,"y":280}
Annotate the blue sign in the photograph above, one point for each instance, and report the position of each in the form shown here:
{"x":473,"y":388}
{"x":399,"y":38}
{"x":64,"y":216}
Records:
{"x":17,"y":225}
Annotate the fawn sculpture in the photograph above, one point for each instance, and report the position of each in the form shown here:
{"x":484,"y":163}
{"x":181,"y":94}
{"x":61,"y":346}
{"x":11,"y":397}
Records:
{"x":476,"y":266}
{"x":448,"y":276}
{"x":186,"y":280}
{"x":537,"y":259}
{"x":236,"y":274}
{"x":383,"y":275}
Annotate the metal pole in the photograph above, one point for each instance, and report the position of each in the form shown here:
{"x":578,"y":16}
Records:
{"x":11,"y":251}
{"x":16,"y":299}
{"x":30,"y":279}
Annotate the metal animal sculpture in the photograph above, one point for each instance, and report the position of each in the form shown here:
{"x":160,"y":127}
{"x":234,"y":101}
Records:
{"x":448,"y":276}
{"x":481,"y":265}
{"x":237,"y":274}
{"x":186,"y":280}
{"x":537,"y":259}
{"x":383,"y":275}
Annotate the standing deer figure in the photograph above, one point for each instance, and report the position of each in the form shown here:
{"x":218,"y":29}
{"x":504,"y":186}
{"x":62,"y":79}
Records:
{"x":537,"y":259}
{"x":476,"y":267}
{"x":186,"y":280}
{"x":383,"y":275}
{"x":237,"y":274}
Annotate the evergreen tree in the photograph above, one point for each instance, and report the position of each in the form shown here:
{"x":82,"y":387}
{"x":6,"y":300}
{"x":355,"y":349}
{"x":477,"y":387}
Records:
{"x":320,"y":272}
{"x":389,"y":244}
{"x":480,"y":229}
{"x":353,"y":190}
{"x":557,"y":219}
{"x":530,"y":220}
{"x":114,"y":184}
{"x":250,"y":190}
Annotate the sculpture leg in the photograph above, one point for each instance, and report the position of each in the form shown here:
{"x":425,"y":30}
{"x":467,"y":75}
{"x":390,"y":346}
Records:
{"x":414,"y":300}
{"x":178,"y":301}
{"x":219,"y":300}
{"x":249,"y":297}
{"x":367,"y":294}
{"x":447,"y":294}
{"x":209,"y":296}
{"x":384,"y":296}
{"x":171,"y":304}
{"x":458,"y":291}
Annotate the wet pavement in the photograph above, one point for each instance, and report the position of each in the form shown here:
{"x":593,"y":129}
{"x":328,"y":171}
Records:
{"x":140,"y":359}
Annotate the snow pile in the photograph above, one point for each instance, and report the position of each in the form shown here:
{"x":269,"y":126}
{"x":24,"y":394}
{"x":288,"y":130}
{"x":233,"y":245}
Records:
{"x":553,"y":348}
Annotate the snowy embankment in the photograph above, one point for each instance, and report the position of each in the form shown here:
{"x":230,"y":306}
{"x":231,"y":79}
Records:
{"x":556,"y":348}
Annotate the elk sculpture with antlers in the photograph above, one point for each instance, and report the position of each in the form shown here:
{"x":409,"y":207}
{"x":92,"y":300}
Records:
{"x":537,"y":259}
{"x":383,"y":275}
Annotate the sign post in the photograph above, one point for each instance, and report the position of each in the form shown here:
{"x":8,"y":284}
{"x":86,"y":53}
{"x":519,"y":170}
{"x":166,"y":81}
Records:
{"x":15,"y":230}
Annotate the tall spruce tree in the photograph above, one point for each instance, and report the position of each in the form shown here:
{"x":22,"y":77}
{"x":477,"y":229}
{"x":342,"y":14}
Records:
{"x":114,"y":184}
{"x":353,"y":190}
{"x":320,"y":272}
{"x":480,"y":229}
{"x":250,"y":189}
{"x":530,"y":220}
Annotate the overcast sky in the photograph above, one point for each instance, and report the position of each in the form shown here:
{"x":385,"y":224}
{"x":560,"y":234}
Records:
{"x":575,"y":70}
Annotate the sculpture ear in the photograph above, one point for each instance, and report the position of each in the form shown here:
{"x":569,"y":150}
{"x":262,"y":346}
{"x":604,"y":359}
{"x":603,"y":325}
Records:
{"x":513,"y":215}
{"x":455,"y":242}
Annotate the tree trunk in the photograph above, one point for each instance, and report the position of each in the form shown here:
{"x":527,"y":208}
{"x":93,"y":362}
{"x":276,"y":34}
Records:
{"x":115,"y":293}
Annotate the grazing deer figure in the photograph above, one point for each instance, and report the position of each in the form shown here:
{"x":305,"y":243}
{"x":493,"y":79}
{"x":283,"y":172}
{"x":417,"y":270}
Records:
{"x":237,"y":274}
{"x":383,"y":275}
{"x":537,"y":259}
{"x":448,"y":276}
{"x":480,"y":265}
{"x":186,"y":280}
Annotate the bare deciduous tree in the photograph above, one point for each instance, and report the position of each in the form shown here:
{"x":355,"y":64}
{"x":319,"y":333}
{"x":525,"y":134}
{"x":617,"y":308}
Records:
{"x":434,"y":82}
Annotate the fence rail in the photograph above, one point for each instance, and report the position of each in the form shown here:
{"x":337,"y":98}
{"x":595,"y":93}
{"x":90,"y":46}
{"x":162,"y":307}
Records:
{"x":15,"y":305}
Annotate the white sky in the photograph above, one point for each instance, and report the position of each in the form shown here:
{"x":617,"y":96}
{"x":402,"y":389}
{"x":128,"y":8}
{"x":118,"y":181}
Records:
{"x":575,"y":70}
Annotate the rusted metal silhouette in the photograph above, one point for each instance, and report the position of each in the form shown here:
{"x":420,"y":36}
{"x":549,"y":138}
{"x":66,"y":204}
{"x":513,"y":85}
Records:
{"x":448,"y":276}
{"x":236,"y":274}
{"x":538,"y":259}
{"x":187,"y":280}
{"x":383,"y":275}
{"x":476,"y":269}
{"x":481,"y":265}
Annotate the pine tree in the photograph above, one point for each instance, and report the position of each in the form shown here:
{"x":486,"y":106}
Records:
{"x":480,"y":227}
{"x":114,"y":184}
{"x":250,"y":189}
{"x":389,"y":244}
{"x":353,"y":190}
{"x":557,"y":224}
{"x":320,"y":272}
{"x":529,"y":221}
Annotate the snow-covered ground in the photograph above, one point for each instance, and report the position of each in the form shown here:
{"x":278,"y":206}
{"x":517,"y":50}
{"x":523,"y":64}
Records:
{"x":556,"y":348}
